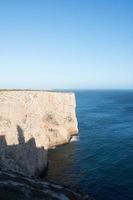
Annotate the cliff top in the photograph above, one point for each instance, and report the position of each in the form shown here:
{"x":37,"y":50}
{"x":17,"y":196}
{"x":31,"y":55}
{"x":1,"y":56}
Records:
{"x":37,"y":90}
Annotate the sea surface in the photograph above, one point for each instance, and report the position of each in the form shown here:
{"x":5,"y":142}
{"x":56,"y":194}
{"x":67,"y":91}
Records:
{"x":100,"y":162}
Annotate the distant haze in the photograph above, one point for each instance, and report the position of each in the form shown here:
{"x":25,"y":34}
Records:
{"x":47,"y":44}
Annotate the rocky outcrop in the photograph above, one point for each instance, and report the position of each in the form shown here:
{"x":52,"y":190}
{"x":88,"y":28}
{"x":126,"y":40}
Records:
{"x":30,"y":123}
{"x":15,"y":186}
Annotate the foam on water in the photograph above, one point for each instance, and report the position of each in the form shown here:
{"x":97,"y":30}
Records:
{"x":74,"y":139}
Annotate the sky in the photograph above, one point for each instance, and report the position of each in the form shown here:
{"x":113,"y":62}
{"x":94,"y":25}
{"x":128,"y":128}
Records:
{"x":66,"y":44}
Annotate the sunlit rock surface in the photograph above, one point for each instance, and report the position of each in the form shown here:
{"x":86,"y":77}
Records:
{"x":49,"y":117}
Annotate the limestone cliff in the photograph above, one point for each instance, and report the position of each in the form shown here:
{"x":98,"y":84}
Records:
{"x":30,"y":123}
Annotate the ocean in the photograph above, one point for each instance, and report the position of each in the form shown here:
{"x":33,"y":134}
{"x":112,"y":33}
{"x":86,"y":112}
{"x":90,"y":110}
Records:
{"x":100,"y":162}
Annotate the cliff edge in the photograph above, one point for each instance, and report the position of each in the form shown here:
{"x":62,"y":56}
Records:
{"x":30,"y":123}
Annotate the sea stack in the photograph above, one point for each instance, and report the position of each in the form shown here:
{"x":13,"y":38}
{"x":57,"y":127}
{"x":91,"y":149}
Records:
{"x":30,"y":123}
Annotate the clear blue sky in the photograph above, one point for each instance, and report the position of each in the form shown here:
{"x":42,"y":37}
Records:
{"x":46,"y":44}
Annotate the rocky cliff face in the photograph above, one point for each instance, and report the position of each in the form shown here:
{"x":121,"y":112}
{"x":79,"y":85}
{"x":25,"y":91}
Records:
{"x":30,"y":123}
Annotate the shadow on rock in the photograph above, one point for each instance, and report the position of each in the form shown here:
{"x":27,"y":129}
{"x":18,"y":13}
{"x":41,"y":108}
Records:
{"x":24,"y":157}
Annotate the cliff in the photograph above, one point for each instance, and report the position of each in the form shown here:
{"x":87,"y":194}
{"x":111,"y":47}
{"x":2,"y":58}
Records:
{"x":30,"y":123}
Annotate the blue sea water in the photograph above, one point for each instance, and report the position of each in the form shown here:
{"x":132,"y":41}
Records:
{"x":100,"y":163}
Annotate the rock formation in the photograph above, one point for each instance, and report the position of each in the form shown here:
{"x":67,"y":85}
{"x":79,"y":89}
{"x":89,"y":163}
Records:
{"x":20,"y":187}
{"x":30,"y":123}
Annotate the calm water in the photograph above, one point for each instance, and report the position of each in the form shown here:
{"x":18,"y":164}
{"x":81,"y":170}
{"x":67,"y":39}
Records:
{"x":101,"y":161}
